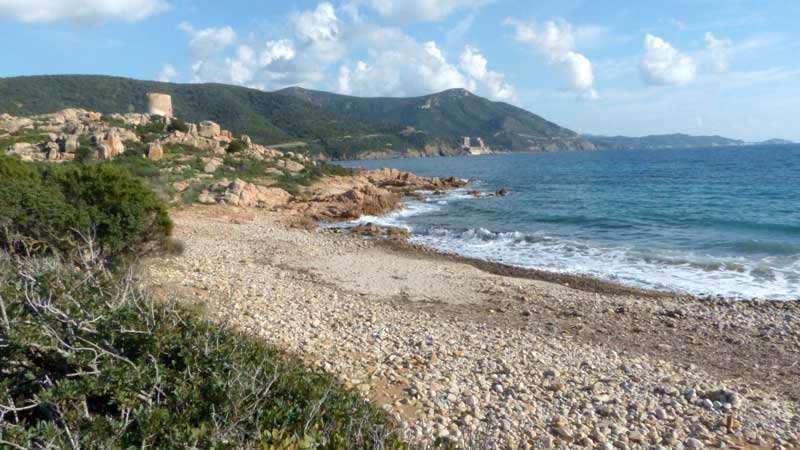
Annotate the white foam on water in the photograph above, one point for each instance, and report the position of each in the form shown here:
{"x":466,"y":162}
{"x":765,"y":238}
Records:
{"x":688,"y":273}
{"x":733,"y":277}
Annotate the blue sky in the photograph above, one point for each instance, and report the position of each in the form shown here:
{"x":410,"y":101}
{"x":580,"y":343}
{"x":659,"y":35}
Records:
{"x":726,"y":67}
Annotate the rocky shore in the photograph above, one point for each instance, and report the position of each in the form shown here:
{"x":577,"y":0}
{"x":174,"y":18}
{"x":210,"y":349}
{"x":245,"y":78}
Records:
{"x":490,"y":357}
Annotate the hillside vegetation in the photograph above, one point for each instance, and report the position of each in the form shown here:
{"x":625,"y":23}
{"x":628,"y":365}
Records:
{"x":334,"y":125}
{"x":448,"y":115}
{"x":88,"y":359}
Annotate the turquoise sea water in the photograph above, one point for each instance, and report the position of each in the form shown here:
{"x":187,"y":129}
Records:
{"x":716,"y":221}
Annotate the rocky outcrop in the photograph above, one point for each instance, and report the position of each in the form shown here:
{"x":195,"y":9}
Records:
{"x":407,"y":182}
{"x":290,"y":165}
{"x":244,"y":194}
{"x":13,"y":124}
{"x":362,"y":200}
{"x":208,"y":129}
{"x":110,"y":145}
{"x":155,"y":151}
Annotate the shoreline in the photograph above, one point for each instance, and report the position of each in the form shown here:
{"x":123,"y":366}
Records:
{"x":588,"y":283}
{"x":465,"y":349}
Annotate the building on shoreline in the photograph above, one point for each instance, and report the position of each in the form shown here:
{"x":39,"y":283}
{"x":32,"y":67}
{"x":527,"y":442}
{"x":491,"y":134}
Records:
{"x":474,"y":146}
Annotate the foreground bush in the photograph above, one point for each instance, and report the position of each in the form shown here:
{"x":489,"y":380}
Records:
{"x":89,"y":361}
{"x":54,"y":208}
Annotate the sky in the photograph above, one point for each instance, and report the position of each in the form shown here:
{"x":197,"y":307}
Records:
{"x":727,"y":67}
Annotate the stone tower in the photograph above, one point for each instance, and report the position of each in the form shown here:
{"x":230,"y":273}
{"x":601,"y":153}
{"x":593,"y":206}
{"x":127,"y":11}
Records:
{"x":159,"y":104}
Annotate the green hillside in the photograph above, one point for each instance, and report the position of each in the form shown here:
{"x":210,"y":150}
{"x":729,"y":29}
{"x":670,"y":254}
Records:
{"x":339,"y":126}
{"x":267,"y":117}
{"x":448,"y":115}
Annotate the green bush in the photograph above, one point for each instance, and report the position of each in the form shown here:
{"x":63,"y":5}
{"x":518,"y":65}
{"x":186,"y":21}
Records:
{"x":154,"y":127}
{"x":236,"y":146}
{"x":89,"y":361}
{"x":54,"y":208}
{"x":178,"y":125}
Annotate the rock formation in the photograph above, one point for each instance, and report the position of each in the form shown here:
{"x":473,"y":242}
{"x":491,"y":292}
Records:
{"x":242,"y":193}
{"x":155,"y":151}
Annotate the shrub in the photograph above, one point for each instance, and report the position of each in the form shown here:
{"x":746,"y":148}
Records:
{"x":178,"y":125}
{"x":236,"y":146}
{"x":154,"y":127}
{"x":50,"y":208}
{"x":90,"y":361}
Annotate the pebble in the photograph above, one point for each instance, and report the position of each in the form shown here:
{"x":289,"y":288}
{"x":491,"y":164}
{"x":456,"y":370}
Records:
{"x":459,"y":379}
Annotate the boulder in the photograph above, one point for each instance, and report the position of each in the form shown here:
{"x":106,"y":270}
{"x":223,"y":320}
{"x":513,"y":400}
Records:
{"x":13,"y":124}
{"x":206,"y":198}
{"x":242,"y":193}
{"x":212,"y":164}
{"x":105,"y":151}
{"x":353,"y":203}
{"x":247,"y":141}
{"x":26,"y":151}
{"x":52,"y":150}
{"x":110,"y":145}
{"x":208,"y":129}
{"x":155,"y":151}
{"x":69,"y":144}
{"x":290,"y":165}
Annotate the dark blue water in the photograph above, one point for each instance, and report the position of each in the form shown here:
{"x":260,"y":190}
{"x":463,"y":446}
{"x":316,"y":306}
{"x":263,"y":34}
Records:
{"x":705,"y":221}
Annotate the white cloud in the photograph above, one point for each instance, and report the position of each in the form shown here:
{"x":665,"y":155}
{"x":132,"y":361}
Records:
{"x":168,"y":73}
{"x":207,"y":41}
{"x":403,"y":68}
{"x":302,"y":58}
{"x":320,"y":24}
{"x":718,"y":52}
{"x":555,"y":39}
{"x":80,"y":11}
{"x":317,"y":40}
{"x":419,"y":10}
{"x":662,"y":64}
{"x":475,"y":65}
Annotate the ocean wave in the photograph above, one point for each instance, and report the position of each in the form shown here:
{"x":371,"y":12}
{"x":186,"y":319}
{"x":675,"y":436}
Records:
{"x":736,"y":277}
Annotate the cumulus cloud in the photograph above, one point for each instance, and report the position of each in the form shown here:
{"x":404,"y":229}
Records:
{"x":167,"y":73}
{"x":207,"y":41}
{"x":418,"y":10}
{"x":662,"y":64}
{"x":406,"y":68}
{"x":475,"y":65}
{"x":320,"y":40}
{"x":303,"y":58}
{"x":80,"y":11}
{"x":555,"y":40}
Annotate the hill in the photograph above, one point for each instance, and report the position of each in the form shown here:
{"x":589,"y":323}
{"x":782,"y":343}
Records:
{"x":450,"y":115}
{"x":267,"y":117}
{"x":664,"y":141}
{"x":334,"y":125}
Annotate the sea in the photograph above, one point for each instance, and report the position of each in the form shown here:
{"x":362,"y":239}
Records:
{"x":702,"y":221}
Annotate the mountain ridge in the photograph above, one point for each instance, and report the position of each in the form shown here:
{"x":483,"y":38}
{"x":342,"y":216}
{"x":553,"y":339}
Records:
{"x":336,"y":126}
{"x":672,"y":140}
{"x":379,"y":127}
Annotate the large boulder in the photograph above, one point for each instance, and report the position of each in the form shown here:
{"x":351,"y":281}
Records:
{"x":69,"y":144}
{"x":155,"y":151}
{"x":356,"y":202}
{"x":290,"y":165}
{"x":110,"y":145}
{"x":242,"y":193}
{"x":26,"y":151}
{"x":208,"y":129}
{"x":212,"y":164}
{"x":13,"y":124}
